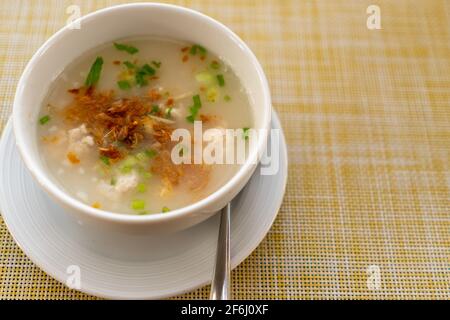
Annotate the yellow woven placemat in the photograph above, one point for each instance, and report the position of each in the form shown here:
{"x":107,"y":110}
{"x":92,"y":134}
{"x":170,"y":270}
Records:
{"x":367,"y":121}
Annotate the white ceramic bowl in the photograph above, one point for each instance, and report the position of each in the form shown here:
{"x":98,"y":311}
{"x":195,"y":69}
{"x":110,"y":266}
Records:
{"x":117,"y":22}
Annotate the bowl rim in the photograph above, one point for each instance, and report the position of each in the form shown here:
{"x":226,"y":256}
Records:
{"x":111,"y":216}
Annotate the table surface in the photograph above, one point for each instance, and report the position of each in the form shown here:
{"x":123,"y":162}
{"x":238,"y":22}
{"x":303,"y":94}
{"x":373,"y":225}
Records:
{"x":367,"y":121}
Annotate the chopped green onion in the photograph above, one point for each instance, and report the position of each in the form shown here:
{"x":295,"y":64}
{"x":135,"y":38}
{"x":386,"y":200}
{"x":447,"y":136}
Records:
{"x":197,"y":47}
{"x":204,"y":77}
{"x":138,"y":204}
{"x":143,"y":170}
{"x":245,"y":133}
{"x":124,"y":84}
{"x":44,"y":119}
{"x":194,"y":108}
{"x":220,"y":80}
{"x":165,"y":209}
{"x":126,"y":169}
{"x":150,"y":153}
{"x":146,"y":69}
{"x":227,"y":98}
{"x":155,"y":109}
{"x":129,"y":65}
{"x":141,"y":187}
{"x":146,"y":175}
{"x":128,"y":164}
{"x":157,"y":64}
{"x":130,"y":161}
{"x":94,"y":72}
{"x":169,"y":112}
{"x":105,"y":160}
{"x":197,"y":101}
{"x":190,"y":118}
{"x":215,"y":65}
{"x":140,"y":80}
{"x":127,"y":48}
{"x":113,"y":181}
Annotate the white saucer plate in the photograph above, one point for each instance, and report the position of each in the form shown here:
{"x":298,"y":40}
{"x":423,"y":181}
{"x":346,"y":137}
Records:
{"x":123,"y":266}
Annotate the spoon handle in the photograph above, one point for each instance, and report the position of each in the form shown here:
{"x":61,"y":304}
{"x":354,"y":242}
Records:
{"x":220,"y":286}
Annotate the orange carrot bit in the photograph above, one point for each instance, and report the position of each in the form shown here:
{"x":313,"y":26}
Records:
{"x":184,"y":49}
{"x":96,"y":205}
{"x":202,"y":88}
{"x":203,"y":58}
{"x":169,"y":102}
{"x":207,"y":118}
{"x":154,"y":94}
{"x":185,"y":58}
{"x":116,"y":62}
{"x":73,"y":157}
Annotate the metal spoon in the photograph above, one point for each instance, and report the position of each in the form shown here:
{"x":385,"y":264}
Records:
{"x":220,"y":286}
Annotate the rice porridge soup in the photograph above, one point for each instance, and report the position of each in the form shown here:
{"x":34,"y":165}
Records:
{"x":105,"y":128}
